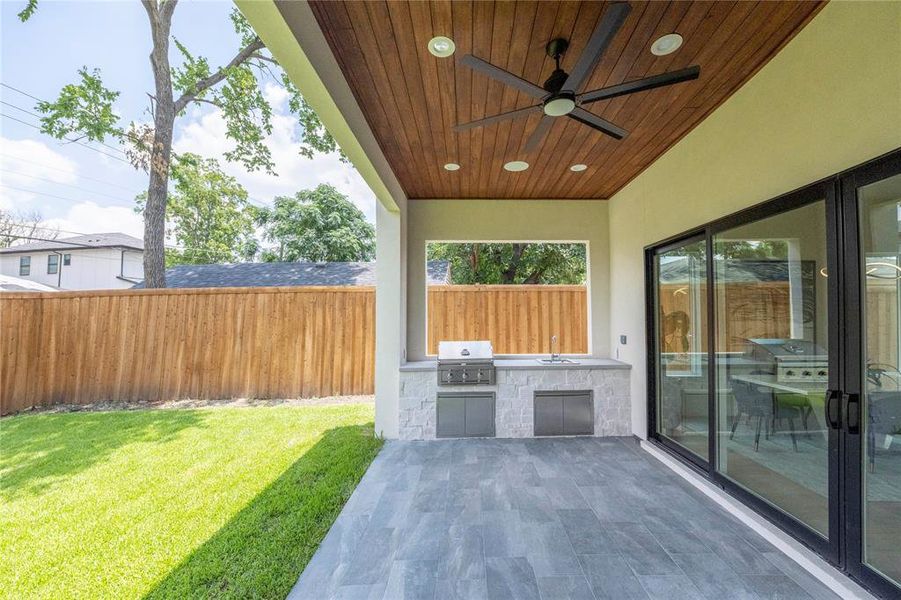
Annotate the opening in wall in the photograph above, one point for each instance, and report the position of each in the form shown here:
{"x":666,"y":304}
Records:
{"x":527,"y":297}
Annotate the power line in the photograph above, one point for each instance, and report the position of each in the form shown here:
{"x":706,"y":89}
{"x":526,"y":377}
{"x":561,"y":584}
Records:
{"x":79,"y":142}
{"x":63,"y":184}
{"x":34,"y":114}
{"x":43,"y":166}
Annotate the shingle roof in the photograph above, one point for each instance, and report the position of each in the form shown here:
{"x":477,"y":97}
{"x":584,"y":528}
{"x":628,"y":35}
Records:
{"x":681,"y":270}
{"x":93,"y":240}
{"x":286,"y":274}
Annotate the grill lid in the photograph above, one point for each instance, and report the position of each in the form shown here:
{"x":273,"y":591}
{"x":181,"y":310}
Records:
{"x":465,"y":352}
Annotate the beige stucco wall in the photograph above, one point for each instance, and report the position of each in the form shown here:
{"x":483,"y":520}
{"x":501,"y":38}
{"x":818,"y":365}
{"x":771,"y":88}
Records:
{"x":831,"y":99}
{"x":508,"y":220}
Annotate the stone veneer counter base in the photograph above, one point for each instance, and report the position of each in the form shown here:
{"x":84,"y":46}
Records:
{"x":517,"y":382}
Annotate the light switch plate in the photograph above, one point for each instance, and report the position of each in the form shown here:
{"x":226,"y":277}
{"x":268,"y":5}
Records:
{"x":622,"y":340}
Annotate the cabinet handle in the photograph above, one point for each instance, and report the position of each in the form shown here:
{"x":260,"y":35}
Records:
{"x":833,"y":408}
{"x":852,"y":410}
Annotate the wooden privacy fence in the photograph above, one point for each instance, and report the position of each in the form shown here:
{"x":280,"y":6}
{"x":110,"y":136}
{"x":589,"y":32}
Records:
{"x":137,"y":345}
{"x":518,"y":319}
{"x":288,"y":342}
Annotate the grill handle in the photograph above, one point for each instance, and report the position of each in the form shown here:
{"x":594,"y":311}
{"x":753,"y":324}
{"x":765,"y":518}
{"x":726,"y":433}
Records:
{"x":833,"y":408}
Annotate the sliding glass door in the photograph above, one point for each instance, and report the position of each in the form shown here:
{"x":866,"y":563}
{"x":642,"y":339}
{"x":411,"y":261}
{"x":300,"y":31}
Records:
{"x":774,"y":349}
{"x":873,"y":396}
{"x":772,"y":361}
{"x":680,"y":331}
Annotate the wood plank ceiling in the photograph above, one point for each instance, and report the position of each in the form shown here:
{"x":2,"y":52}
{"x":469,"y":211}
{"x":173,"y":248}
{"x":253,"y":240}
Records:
{"x":412,"y":99}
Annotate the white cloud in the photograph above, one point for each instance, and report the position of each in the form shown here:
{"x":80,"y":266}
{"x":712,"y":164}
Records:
{"x":205,"y":135}
{"x":27,"y":164}
{"x":90,"y":217}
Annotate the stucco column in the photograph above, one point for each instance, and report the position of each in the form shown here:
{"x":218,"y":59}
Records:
{"x":390,"y":321}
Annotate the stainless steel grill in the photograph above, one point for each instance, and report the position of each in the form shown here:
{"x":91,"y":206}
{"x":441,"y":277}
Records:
{"x":465,"y":363}
{"x":791,"y":360}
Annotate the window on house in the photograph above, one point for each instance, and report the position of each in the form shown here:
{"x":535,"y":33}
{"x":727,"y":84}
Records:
{"x":67,"y":260}
{"x":525,"y":297}
{"x":24,"y":265}
{"x":53,"y":264}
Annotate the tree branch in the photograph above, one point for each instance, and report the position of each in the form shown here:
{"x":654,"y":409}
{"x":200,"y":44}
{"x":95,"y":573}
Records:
{"x":266,"y":58}
{"x":208,"y":101}
{"x":208,"y":82}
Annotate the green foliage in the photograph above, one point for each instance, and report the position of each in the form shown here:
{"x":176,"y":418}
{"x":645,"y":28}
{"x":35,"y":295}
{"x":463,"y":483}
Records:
{"x":508,"y":263}
{"x":317,"y":225}
{"x":193,"y":69}
{"x":174,"y":503}
{"x":317,"y":138}
{"x":208,"y":215}
{"x":248,"y":119}
{"x":27,"y":12}
{"x":84,"y":108}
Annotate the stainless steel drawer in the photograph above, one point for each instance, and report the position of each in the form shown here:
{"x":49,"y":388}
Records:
{"x":563,"y":413}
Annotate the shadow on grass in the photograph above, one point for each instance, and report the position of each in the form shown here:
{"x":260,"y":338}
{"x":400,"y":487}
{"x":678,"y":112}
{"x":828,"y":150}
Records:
{"x":40,"y":450}
{"x":262,"y":550}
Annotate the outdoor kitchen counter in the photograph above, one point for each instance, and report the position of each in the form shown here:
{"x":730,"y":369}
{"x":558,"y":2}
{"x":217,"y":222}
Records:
{"x":517,"y":381}
{"x":530,"y":364}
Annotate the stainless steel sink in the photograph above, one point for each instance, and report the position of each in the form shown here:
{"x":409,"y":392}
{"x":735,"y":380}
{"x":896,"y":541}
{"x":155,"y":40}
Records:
{"x":557,"y":361}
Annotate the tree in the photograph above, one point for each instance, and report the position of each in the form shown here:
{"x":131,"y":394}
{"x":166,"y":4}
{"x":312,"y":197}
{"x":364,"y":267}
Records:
{"x":507,"y":263}
{"x":15,"y":226}
{"x":317,"y":225}
{"x":85,"y":109}
{"x":208,"y":214}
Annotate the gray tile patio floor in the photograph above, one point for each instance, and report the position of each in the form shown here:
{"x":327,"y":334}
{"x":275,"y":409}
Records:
{"x":542,"y":519}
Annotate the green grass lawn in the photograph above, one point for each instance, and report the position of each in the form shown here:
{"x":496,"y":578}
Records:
{"x":218,"y":502}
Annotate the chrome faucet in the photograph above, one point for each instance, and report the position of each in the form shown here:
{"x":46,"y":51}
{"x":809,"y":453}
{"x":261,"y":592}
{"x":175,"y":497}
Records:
{"x":554,"y":355}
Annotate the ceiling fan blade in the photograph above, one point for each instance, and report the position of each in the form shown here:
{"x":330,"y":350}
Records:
{"x":513,"y":114}
{"x":610,"y":23}
{"x":543,"y":125}
{"x":640,"y":85}
{"x":504,"y":77}
{"x":592,"y":120}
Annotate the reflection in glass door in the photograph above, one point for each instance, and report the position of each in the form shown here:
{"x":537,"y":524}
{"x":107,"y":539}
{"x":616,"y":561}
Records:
{"x":681,"y":334}
{"x":772,"y":361}
{"x":879,"y":206}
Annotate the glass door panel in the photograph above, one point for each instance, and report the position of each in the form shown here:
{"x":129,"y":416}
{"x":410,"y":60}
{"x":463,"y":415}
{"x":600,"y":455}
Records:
{"x":772,"y":361}
{"x":879,"y":206}
{"x":681,"y":334}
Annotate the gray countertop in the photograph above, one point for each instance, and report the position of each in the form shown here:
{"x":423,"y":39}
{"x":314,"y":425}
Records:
{"x":529,"y":364}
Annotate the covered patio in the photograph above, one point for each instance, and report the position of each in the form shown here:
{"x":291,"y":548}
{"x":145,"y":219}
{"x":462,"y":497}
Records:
{"x":727,"y":169}
{"x":540,"y":519}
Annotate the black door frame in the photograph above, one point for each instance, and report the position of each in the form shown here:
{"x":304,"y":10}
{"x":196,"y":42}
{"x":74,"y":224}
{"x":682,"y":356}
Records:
{"x":844,"y":546}
{"x":853,"y":443}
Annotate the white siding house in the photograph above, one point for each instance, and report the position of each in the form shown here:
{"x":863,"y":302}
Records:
{"x":85,"y":262}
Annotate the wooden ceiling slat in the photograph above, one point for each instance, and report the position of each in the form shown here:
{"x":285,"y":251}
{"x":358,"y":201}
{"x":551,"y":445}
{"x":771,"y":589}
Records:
{"x":412,"y":100}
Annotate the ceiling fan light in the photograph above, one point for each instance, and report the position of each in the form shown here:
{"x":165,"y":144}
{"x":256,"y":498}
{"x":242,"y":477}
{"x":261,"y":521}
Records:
{"x":514,"y":166}
{"x":666,"y":44}
{"x":559,"y":106}
{"x":441,"y":46}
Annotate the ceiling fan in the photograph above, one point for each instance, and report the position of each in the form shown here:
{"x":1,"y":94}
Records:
{"x":560,"y":96}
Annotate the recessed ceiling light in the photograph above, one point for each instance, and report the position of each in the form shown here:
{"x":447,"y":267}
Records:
{"x":579,"y":167}
{"x":666,"y":44}
{"x":451,"y":167}
{"x":516,"y":165}
{"x":441,"y":46}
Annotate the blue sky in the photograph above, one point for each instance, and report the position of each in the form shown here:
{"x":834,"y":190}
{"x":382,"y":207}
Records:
{"x":88,"y":190}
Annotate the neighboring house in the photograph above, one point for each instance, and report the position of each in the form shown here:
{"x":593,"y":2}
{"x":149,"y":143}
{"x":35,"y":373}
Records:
{"x":287,"y":274}
{"x":84,"y":262}
{"x":17,"y":284}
